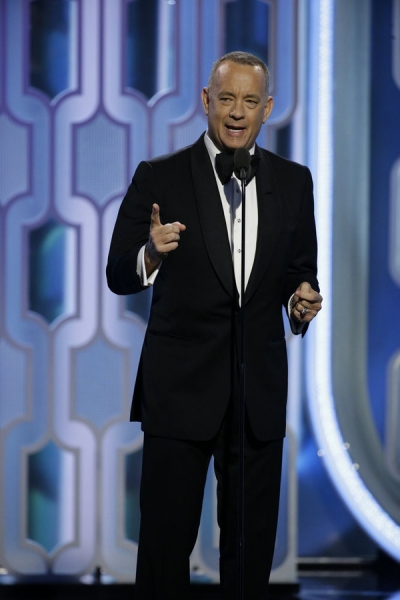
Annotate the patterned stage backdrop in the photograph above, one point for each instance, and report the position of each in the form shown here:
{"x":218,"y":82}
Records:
{"x":88,"y":88}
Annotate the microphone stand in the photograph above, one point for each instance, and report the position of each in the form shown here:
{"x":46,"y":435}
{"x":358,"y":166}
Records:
{"x":242,"y":395}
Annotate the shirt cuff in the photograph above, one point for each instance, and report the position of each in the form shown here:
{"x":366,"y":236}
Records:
{"x":141,"y":269}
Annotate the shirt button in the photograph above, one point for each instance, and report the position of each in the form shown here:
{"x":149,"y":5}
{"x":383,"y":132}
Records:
{"x":239,"y":250}
{"x":239,"y":220}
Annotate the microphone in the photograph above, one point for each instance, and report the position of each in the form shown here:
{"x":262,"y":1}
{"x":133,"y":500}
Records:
{"x":241,"y":162}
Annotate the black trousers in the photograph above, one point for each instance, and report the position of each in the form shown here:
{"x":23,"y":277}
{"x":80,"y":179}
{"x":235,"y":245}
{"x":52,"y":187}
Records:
{"x":173,"y":478}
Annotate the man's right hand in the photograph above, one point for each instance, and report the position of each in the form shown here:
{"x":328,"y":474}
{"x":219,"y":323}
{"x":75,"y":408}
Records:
{"x":162,"y":240}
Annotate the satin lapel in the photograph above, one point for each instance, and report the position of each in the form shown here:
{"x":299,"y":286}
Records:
{"x":269,"y":223}
{"x":211,"y":216}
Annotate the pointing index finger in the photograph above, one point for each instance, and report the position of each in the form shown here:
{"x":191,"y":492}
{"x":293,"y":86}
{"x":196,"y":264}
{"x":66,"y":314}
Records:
{"x":155,"y":216}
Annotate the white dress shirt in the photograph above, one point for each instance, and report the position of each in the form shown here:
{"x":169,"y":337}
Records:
{"x":231,"y":198}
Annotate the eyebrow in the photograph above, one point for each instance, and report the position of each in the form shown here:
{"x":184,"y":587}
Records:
{"x":247,"y":96}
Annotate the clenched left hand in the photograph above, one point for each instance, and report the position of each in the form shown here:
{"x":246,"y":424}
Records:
{"x":306,"y":303}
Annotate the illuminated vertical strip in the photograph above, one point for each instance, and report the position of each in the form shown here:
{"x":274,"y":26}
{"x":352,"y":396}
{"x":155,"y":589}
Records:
{"x":324,"y":191}
{"x":322,"y":407}
{"x":73,"y":71}
{"x":319,"y":367}
{"x":165,"y":53}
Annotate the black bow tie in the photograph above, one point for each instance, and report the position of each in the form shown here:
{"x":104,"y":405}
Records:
{"x":224,"y":166}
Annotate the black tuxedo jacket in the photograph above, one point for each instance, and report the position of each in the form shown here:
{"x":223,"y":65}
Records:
{"x":189,"y":365}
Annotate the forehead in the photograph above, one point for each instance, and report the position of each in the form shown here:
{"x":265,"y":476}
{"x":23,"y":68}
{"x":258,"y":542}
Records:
{"x":236,"y":78}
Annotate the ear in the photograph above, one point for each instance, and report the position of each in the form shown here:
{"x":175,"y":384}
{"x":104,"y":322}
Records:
{"x":205,"y":98}
{"x":269,"y":105}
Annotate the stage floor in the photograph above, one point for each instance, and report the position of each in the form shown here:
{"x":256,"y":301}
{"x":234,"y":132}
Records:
{"x":318,"y":585}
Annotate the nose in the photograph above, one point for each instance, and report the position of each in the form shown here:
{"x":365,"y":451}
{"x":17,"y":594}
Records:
{"x":237,"y":111}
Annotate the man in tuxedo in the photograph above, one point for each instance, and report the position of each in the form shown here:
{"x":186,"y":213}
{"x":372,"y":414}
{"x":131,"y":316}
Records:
{"x":179,"y":229}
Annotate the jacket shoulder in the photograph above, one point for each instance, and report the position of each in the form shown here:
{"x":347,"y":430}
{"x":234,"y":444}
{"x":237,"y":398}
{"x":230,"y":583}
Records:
{"x":170,"y":157}
{"x":287,"y":173}
{"x":177,"y":156}
{"x":281,"y":163}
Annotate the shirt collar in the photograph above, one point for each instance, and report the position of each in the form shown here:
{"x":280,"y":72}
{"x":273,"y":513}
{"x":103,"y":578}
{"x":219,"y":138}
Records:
{"x":213,"y":150}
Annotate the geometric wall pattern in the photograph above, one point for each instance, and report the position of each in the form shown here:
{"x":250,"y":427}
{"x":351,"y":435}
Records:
{"x":88,"y":88}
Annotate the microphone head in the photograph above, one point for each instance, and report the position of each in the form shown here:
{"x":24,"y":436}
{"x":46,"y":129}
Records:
{"x":241,"y":162}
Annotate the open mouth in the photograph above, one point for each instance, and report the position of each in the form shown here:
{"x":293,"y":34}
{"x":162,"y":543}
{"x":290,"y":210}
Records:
{"x":234,"y":128}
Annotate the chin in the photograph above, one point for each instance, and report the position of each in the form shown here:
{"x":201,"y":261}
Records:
{"x":232,"y":146}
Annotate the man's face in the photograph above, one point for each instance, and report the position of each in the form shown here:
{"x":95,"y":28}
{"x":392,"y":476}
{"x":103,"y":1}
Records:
{"x":236,"y":105}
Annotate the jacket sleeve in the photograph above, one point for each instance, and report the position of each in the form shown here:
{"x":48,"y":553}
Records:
{"x":302,"y":265}
{"x":131,"y":231}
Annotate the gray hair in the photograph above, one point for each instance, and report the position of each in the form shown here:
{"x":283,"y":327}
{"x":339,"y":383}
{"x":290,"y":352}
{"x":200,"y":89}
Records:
{"x":240,"y":58}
